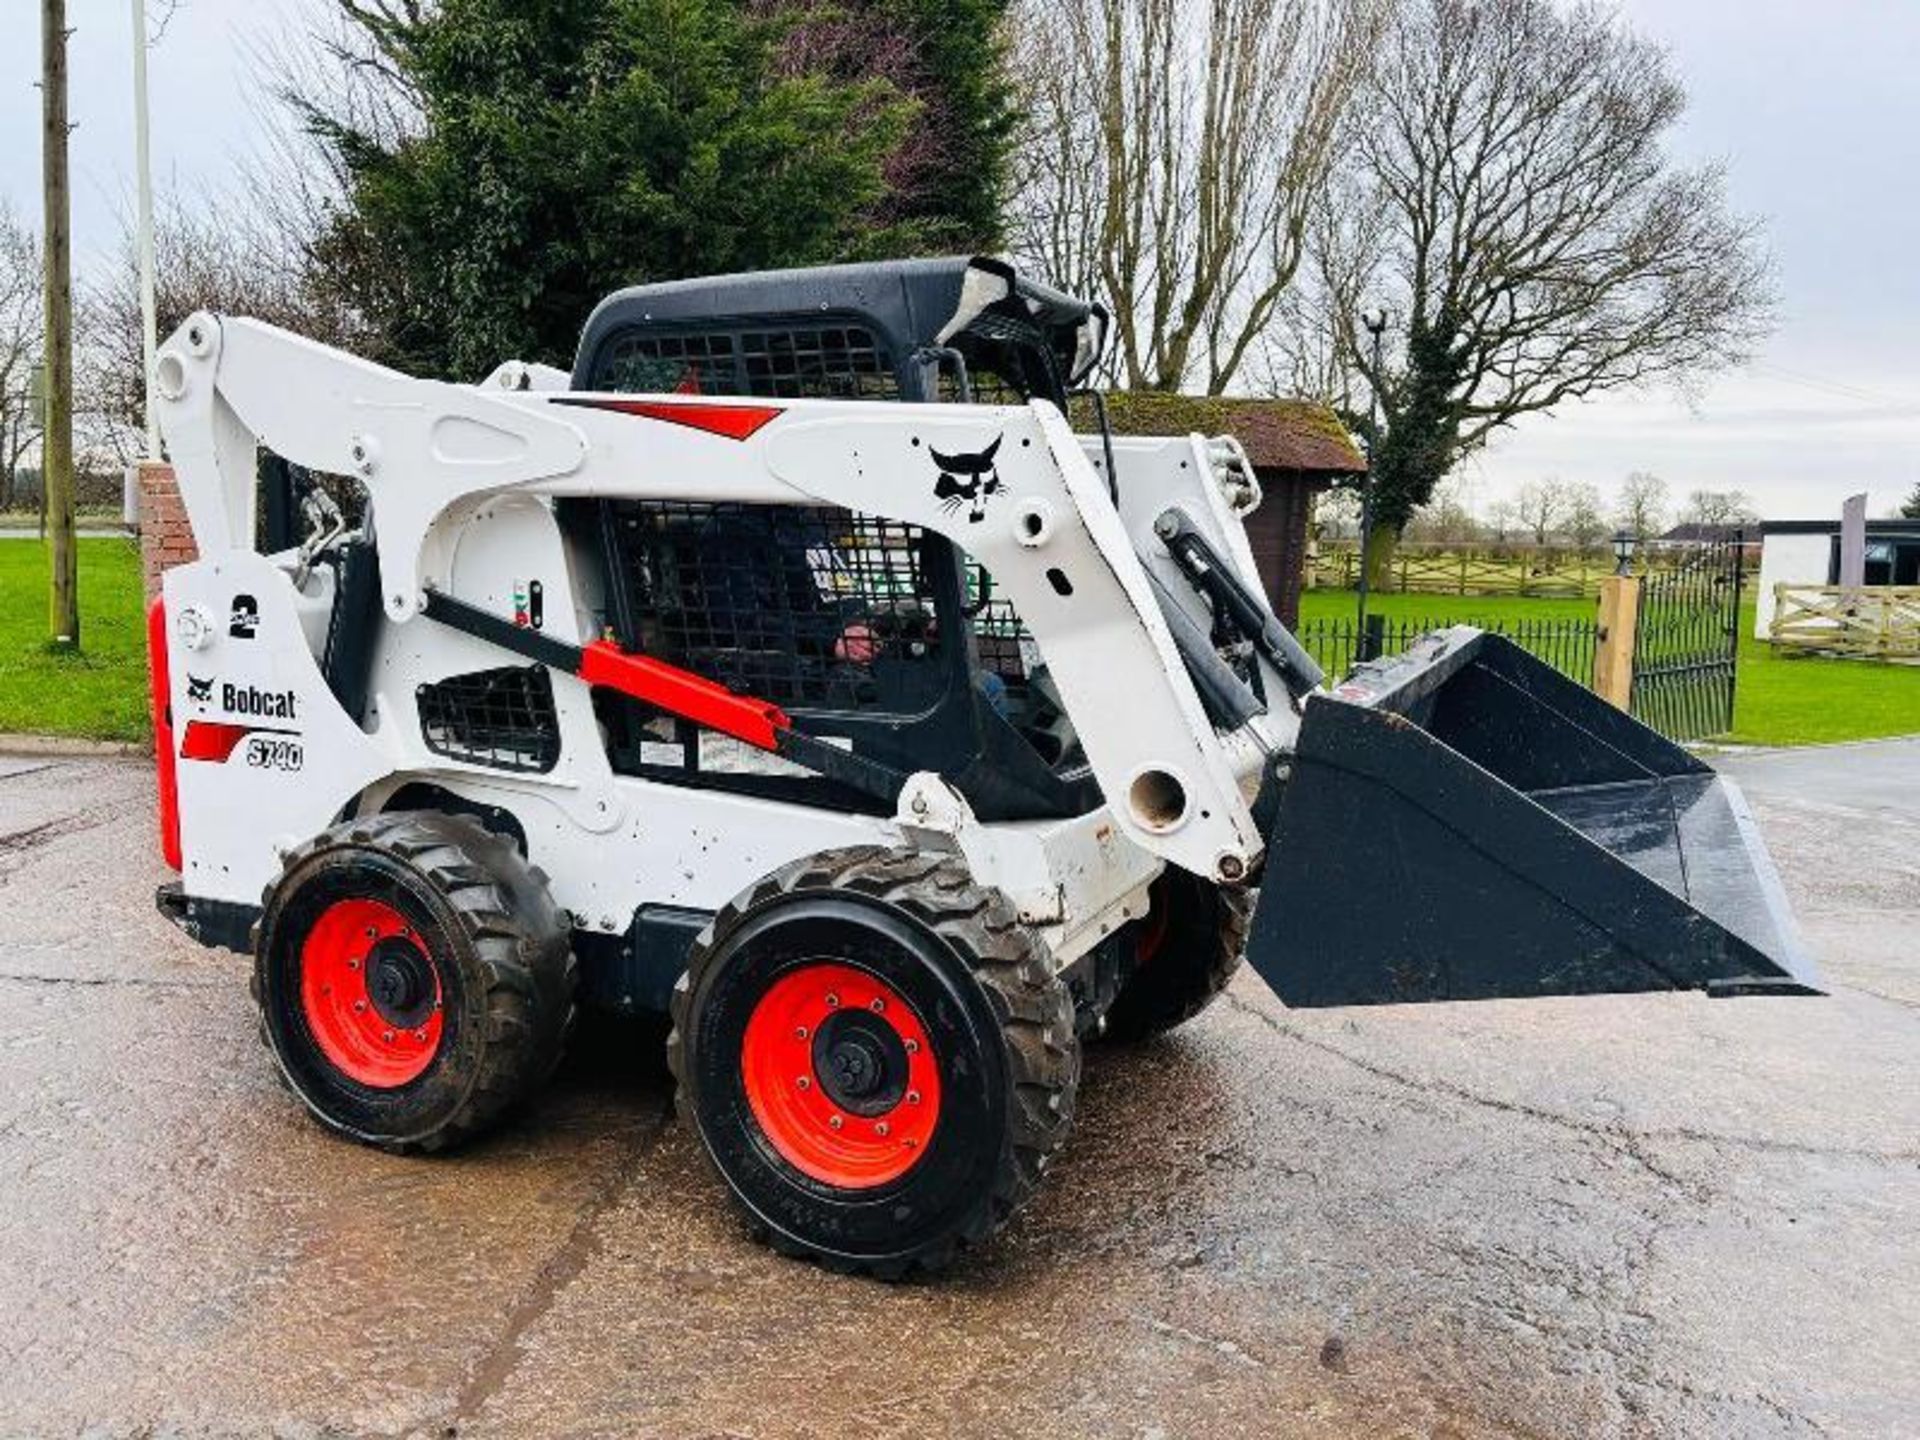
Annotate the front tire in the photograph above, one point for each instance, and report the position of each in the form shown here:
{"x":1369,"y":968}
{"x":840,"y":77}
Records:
{"x":414,"y":978}
{"x":1186,"y":948}
{"x":877,"y":1056}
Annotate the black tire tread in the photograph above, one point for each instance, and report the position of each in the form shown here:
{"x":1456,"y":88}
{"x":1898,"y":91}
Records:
{"x":515,"y":929}
{"x":1158,"y":997}
{"x":1033,"y":1007}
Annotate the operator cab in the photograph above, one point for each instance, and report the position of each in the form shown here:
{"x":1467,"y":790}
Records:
{"x":878,"y":635}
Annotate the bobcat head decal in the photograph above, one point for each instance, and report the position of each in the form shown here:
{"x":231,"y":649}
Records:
{"x":199,"y":691}
{"x":967,"y":479}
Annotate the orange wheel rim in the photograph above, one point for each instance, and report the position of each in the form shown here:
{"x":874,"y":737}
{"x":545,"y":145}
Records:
{"x":370,"y":993}
{"x":840,"y":1076}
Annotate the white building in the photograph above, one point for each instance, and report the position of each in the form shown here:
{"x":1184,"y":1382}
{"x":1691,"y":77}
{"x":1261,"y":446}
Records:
{"x":1807,"y":552}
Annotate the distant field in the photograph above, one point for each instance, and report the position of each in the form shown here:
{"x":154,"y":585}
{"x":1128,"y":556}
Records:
{"x":101,"y":692}
{"x":1798,"y":701}
{"x":98,"y":694}
{"x":86,"y":517}
{"x":1458,"y":609}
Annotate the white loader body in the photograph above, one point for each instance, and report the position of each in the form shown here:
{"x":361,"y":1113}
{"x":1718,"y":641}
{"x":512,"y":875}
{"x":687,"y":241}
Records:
{"x":461,"y":480}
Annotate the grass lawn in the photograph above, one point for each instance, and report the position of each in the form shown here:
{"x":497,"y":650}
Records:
{"x":99,"y":693}
{"x":1777,"y":701}
{"x":1810,"y":700}
{"x":1442,"y":609}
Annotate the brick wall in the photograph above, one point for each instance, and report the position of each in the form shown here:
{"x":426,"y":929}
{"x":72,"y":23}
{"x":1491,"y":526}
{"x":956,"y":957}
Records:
{"x":166,"y":539}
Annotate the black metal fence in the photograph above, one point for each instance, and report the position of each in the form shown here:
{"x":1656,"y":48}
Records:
{"x":1565,"y":644}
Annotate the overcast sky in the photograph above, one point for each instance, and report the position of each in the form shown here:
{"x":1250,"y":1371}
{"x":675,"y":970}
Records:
{"x":1813,"y":104}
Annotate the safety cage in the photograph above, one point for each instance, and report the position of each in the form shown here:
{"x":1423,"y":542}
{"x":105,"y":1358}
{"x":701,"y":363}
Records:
{"x":842,"y":360}
{"x":871,"y":631}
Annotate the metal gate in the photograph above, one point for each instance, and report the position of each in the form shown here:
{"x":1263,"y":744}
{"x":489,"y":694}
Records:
{"x":1688,"y":639}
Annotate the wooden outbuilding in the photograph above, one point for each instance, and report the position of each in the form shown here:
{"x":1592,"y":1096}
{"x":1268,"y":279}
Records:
{"x":1298,"y":449}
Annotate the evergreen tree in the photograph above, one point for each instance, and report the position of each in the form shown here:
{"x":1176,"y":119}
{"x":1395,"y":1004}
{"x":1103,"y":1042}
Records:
{"x":966,"y":121}
{"x":947,"y":180}
{"x":564,"y":148}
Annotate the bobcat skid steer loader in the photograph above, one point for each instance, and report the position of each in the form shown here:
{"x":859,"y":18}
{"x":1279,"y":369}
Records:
{"x":895,"y":748}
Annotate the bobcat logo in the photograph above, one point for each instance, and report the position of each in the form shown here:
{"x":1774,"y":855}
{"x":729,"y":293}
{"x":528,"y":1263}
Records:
{"x":981,"y":479}
{"x":199,"y":691}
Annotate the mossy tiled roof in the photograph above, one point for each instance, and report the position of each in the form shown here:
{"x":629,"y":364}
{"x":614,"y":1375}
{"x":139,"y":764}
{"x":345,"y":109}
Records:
{"x":1279,"y":434}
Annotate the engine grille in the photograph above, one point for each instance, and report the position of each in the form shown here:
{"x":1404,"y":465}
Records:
{"x":503,"y":719}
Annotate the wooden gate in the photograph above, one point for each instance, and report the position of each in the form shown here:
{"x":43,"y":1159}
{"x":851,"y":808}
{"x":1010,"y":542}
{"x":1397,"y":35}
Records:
{"x":1688,"y":640}
{"x":1872,"y":622}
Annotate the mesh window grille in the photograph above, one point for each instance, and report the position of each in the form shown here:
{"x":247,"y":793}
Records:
{"x":503,"y":719}
{"x":810,"y":607}
{"x":826,"y":362}
{"x":1001,"y":639}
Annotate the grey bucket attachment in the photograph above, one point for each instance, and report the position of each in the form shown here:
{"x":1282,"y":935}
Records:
{"x":1462,"y":822}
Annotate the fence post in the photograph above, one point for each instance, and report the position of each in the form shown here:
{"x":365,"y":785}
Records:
{"x":1613,"y":639}
{"x":1373,"y":640}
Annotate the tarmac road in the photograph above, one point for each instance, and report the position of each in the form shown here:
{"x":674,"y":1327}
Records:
{"x":1643,"y":1215}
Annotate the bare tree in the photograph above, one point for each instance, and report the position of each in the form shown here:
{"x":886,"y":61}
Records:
{"x":1502,"y":517}
{"x":1542,"y":506}
{"x":1512,"y":205}
{"x":1586,"y":520}
{"x":1642,"y":511}
{"x":1445,"y":519}
{"x":208,"y":256}
{"x":1719,"y":510}
{"x":22,"y":322}
{"x":1336,"y":514}
{"x":1172,"y":155}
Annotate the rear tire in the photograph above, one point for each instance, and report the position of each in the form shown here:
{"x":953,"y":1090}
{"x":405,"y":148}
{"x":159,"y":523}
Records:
{"x":414,"y":978}
{"x":877,"y":1056}
{"x":1187,"y":947}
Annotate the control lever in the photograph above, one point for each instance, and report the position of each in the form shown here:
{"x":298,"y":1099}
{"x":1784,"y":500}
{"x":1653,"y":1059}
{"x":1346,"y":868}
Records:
{"x":325,"y":526}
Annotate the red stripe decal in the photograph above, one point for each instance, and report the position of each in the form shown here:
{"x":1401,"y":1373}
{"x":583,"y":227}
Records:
{"x":736,"y":422}
{"x":212,"y":739}
{"x":162,"y":695}
{"x":680,"y":692}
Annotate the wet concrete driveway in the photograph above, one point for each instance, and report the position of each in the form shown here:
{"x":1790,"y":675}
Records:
{"x":1649,"y":1215}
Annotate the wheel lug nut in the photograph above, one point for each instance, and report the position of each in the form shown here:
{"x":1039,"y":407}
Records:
{"x":882,"y":1129}
{"x":913,"y":1047}
{"x":800,"y":1032}
{"x":353,"y":962}
{"x":360,"y":1006}
{"x":420,"y":1035}
{"x":833,"y":1002}
{"x":834,"y":1122}
{"x":877,"y":1005}
{"x":387,"y":1035}
{"x":913,"y":1097}
{"x":372,"y":934}
{"x":804,"y":1083}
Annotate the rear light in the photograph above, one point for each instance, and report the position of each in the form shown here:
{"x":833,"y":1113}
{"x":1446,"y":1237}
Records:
{"x":163,"y":749}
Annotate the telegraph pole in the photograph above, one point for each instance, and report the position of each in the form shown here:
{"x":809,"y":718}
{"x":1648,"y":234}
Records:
{"x":143,"y":180}
{"x":63,"y":611}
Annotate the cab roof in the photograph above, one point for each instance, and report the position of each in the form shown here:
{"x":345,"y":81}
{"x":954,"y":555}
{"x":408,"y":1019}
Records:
{"x":915,"y":304}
